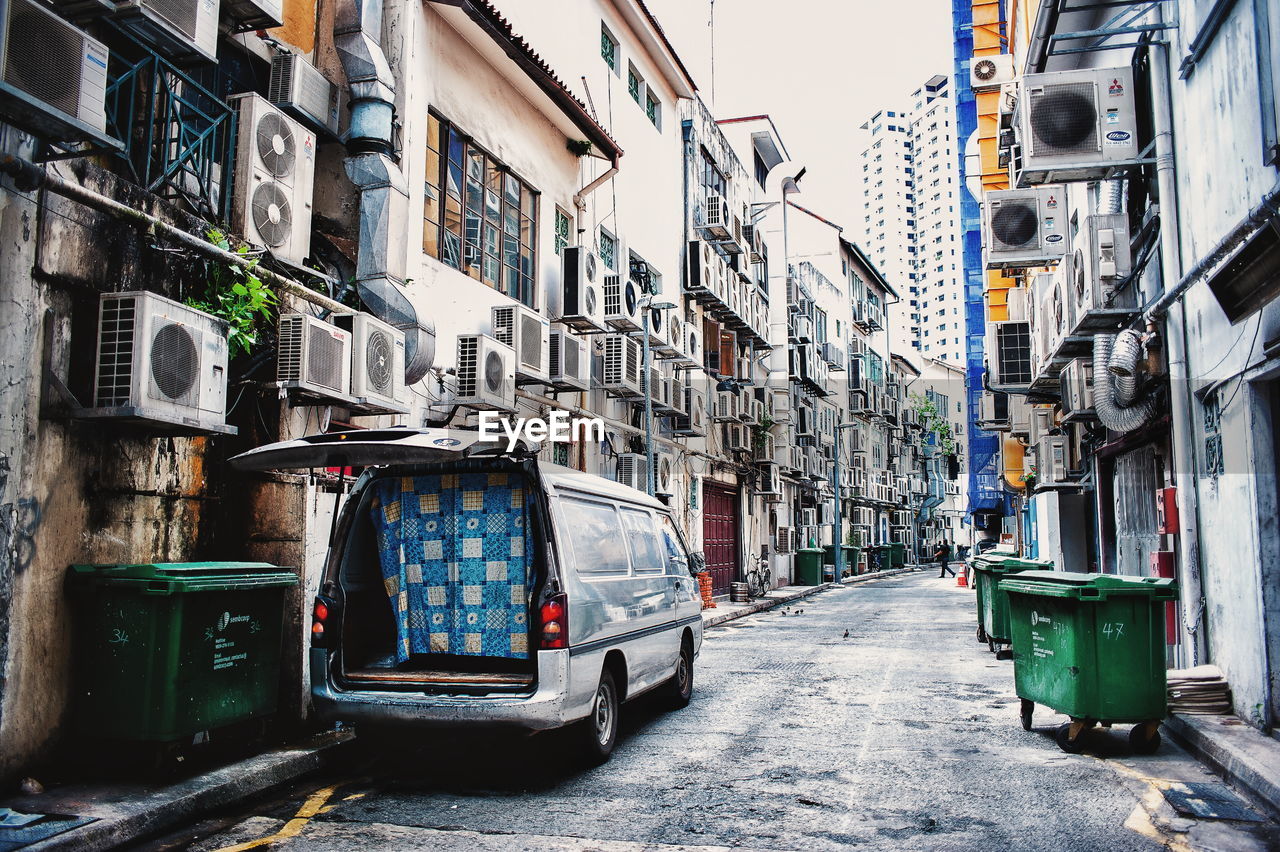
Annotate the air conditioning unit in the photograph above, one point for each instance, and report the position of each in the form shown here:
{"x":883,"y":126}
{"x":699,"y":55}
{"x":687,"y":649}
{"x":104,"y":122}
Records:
{"x":161,"y":363}
{"x":303,"y":91}
{"x":667,"y":347}
{"x":250,"y":15}
{"x":486,"y":371}
{"x":1052,"y":462}
{"x":622,"y":367}
{"x":569,"y":361}
{"x":692,"y":337}
{"x":1077,"y":390}
{"x":784,"y":539}
{"x":753,"y":242}
{"x":1025,"y":227}
{"x":1040,"y":423}
{"x":693,"y":422}
{"x":633,"y":471}
{"x":377,"y":361}
{"x":621,"y":303}
{"x":727,"y":406}
{"x":670,"y":400}
{"x":770,"y":480}
{"x":274,"y":173}
{"x":666,"y":469}
{"x":314,"y":358}
{"x":582,"y":299}
{"x":808,"y":517}
{"x":765,"y":449}
{"x":799,"y":460}
{"x":1009,"y":355}
{"x":737,"y":437}
{"x":702,"y":260}
{"x":1019,"y":415}
{"x":1076,"y":125}
{"x":657,"y":332}
{"x":529,"y":334}
{"x":180,"y":29}
{"x":988,"y":73}
{"x":1099,"y":261}
{"x":716,"y":217}
{"x":53,"y":77}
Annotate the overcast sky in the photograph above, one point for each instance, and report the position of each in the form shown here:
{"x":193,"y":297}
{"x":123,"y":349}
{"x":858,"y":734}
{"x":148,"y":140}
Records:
{"x":820,"y":68}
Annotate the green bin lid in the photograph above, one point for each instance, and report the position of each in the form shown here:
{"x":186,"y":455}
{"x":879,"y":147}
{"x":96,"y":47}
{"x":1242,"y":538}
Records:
{"x":1007,"y":563}
{"x":1069,"y":584}
{"x":171,"y":577}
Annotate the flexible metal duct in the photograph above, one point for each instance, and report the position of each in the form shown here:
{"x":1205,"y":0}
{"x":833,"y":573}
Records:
{"x":1126,"y":350}
{"x":384,"y":195}
{"x":1110,"y":355}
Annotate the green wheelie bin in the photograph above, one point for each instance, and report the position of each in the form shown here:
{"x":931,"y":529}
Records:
{"x":993,"y":605}
{"x":1092,"y":647}
{"x":809,"y":566}
{"x":168,"y":650}
{"x":897,"y":554}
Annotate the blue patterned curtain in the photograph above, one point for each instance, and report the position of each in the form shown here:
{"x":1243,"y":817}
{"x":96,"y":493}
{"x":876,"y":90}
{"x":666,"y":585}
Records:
{"x":455,"y":561}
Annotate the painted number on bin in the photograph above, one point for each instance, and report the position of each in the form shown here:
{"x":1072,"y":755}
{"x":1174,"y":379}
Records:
{"x":1113,"y":629}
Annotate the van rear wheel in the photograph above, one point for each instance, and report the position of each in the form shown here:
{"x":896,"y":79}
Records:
{"x":599,"y":731}
{"x":679,"y":689}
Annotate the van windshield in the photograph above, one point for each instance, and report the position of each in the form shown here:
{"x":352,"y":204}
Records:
{"x":456,"y":559}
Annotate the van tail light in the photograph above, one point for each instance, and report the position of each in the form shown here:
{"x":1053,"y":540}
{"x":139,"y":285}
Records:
{"x":555,"y":623}
{"x":320,"y":612}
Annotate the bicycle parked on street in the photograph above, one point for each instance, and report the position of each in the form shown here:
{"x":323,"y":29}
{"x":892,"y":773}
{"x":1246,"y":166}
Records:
{"x":760,"y":578}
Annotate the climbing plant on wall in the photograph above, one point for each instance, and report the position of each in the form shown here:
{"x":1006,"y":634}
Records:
{"x":236,"y":294}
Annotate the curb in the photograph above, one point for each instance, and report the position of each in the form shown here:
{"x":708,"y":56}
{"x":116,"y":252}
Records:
{"x":1247,"y":759}
{"x":128,"y":814}
{"x":788,"y":597}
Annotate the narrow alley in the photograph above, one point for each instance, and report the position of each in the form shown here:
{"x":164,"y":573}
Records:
{"x":904,"y":735}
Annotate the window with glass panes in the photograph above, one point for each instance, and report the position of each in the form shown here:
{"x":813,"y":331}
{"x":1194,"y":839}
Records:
{"x":608,"y":47}
{"x":608,"y":250}
{"x":633,"y":84}
{"x":478,"y":217}
{"x":652,"y":108}
{"x":563,"y":226}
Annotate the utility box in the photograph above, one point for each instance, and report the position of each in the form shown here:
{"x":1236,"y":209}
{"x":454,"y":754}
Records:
{"x":167,"y":650}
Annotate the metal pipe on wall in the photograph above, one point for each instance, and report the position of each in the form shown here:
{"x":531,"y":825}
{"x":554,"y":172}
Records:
{"x":1182,"y":426}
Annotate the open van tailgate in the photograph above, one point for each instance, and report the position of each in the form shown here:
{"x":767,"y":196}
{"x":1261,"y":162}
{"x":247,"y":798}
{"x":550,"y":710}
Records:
{"x":374,"y":447}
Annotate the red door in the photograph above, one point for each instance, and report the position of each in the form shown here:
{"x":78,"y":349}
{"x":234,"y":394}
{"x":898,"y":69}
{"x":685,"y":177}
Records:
{"x":720,"y":534}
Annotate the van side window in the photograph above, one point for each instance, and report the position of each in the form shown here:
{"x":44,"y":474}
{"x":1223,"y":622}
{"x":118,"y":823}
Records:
{"x":642,"y":540}
{"x":677,"y":557}
{"x":593,"y":529}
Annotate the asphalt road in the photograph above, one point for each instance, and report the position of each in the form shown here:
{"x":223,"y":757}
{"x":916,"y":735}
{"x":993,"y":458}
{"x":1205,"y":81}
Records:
{"x":904,"y":735}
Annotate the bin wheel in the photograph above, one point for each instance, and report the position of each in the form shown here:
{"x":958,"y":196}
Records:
{"x":1028,"y":710}
{"x":1142,"y":742}
{"x":1063,"y":738}
{"x":991,"y":645}
{"x":982,"y":634}
{"x":1004,"y":654}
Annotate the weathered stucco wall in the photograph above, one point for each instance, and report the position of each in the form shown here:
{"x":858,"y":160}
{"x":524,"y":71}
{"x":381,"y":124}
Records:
{"x":1221,"y":175}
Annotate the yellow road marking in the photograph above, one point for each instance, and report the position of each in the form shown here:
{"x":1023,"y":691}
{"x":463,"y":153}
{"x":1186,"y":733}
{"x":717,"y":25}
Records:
{"x":315,"y":804}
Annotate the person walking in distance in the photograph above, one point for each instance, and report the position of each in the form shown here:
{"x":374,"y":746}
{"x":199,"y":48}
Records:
{"x":941,"y":554}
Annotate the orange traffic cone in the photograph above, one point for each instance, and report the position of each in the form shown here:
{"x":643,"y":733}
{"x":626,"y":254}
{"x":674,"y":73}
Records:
{"x":962,"y":580}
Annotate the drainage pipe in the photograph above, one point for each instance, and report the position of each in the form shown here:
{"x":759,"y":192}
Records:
{"x":1181,"y":429}
{"x":28,"y":176}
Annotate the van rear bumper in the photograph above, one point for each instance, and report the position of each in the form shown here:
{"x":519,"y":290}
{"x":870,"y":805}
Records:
{"x":545,"y":708}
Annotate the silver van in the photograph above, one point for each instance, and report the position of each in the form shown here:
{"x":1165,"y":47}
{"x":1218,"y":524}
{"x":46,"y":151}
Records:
{"x":470,"y":586}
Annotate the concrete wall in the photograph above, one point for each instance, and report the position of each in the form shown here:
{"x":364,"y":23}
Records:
{"x":1220,"y":176}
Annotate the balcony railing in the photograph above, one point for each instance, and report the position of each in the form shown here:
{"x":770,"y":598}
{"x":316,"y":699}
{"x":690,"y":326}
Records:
{"x":179,"y":137}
